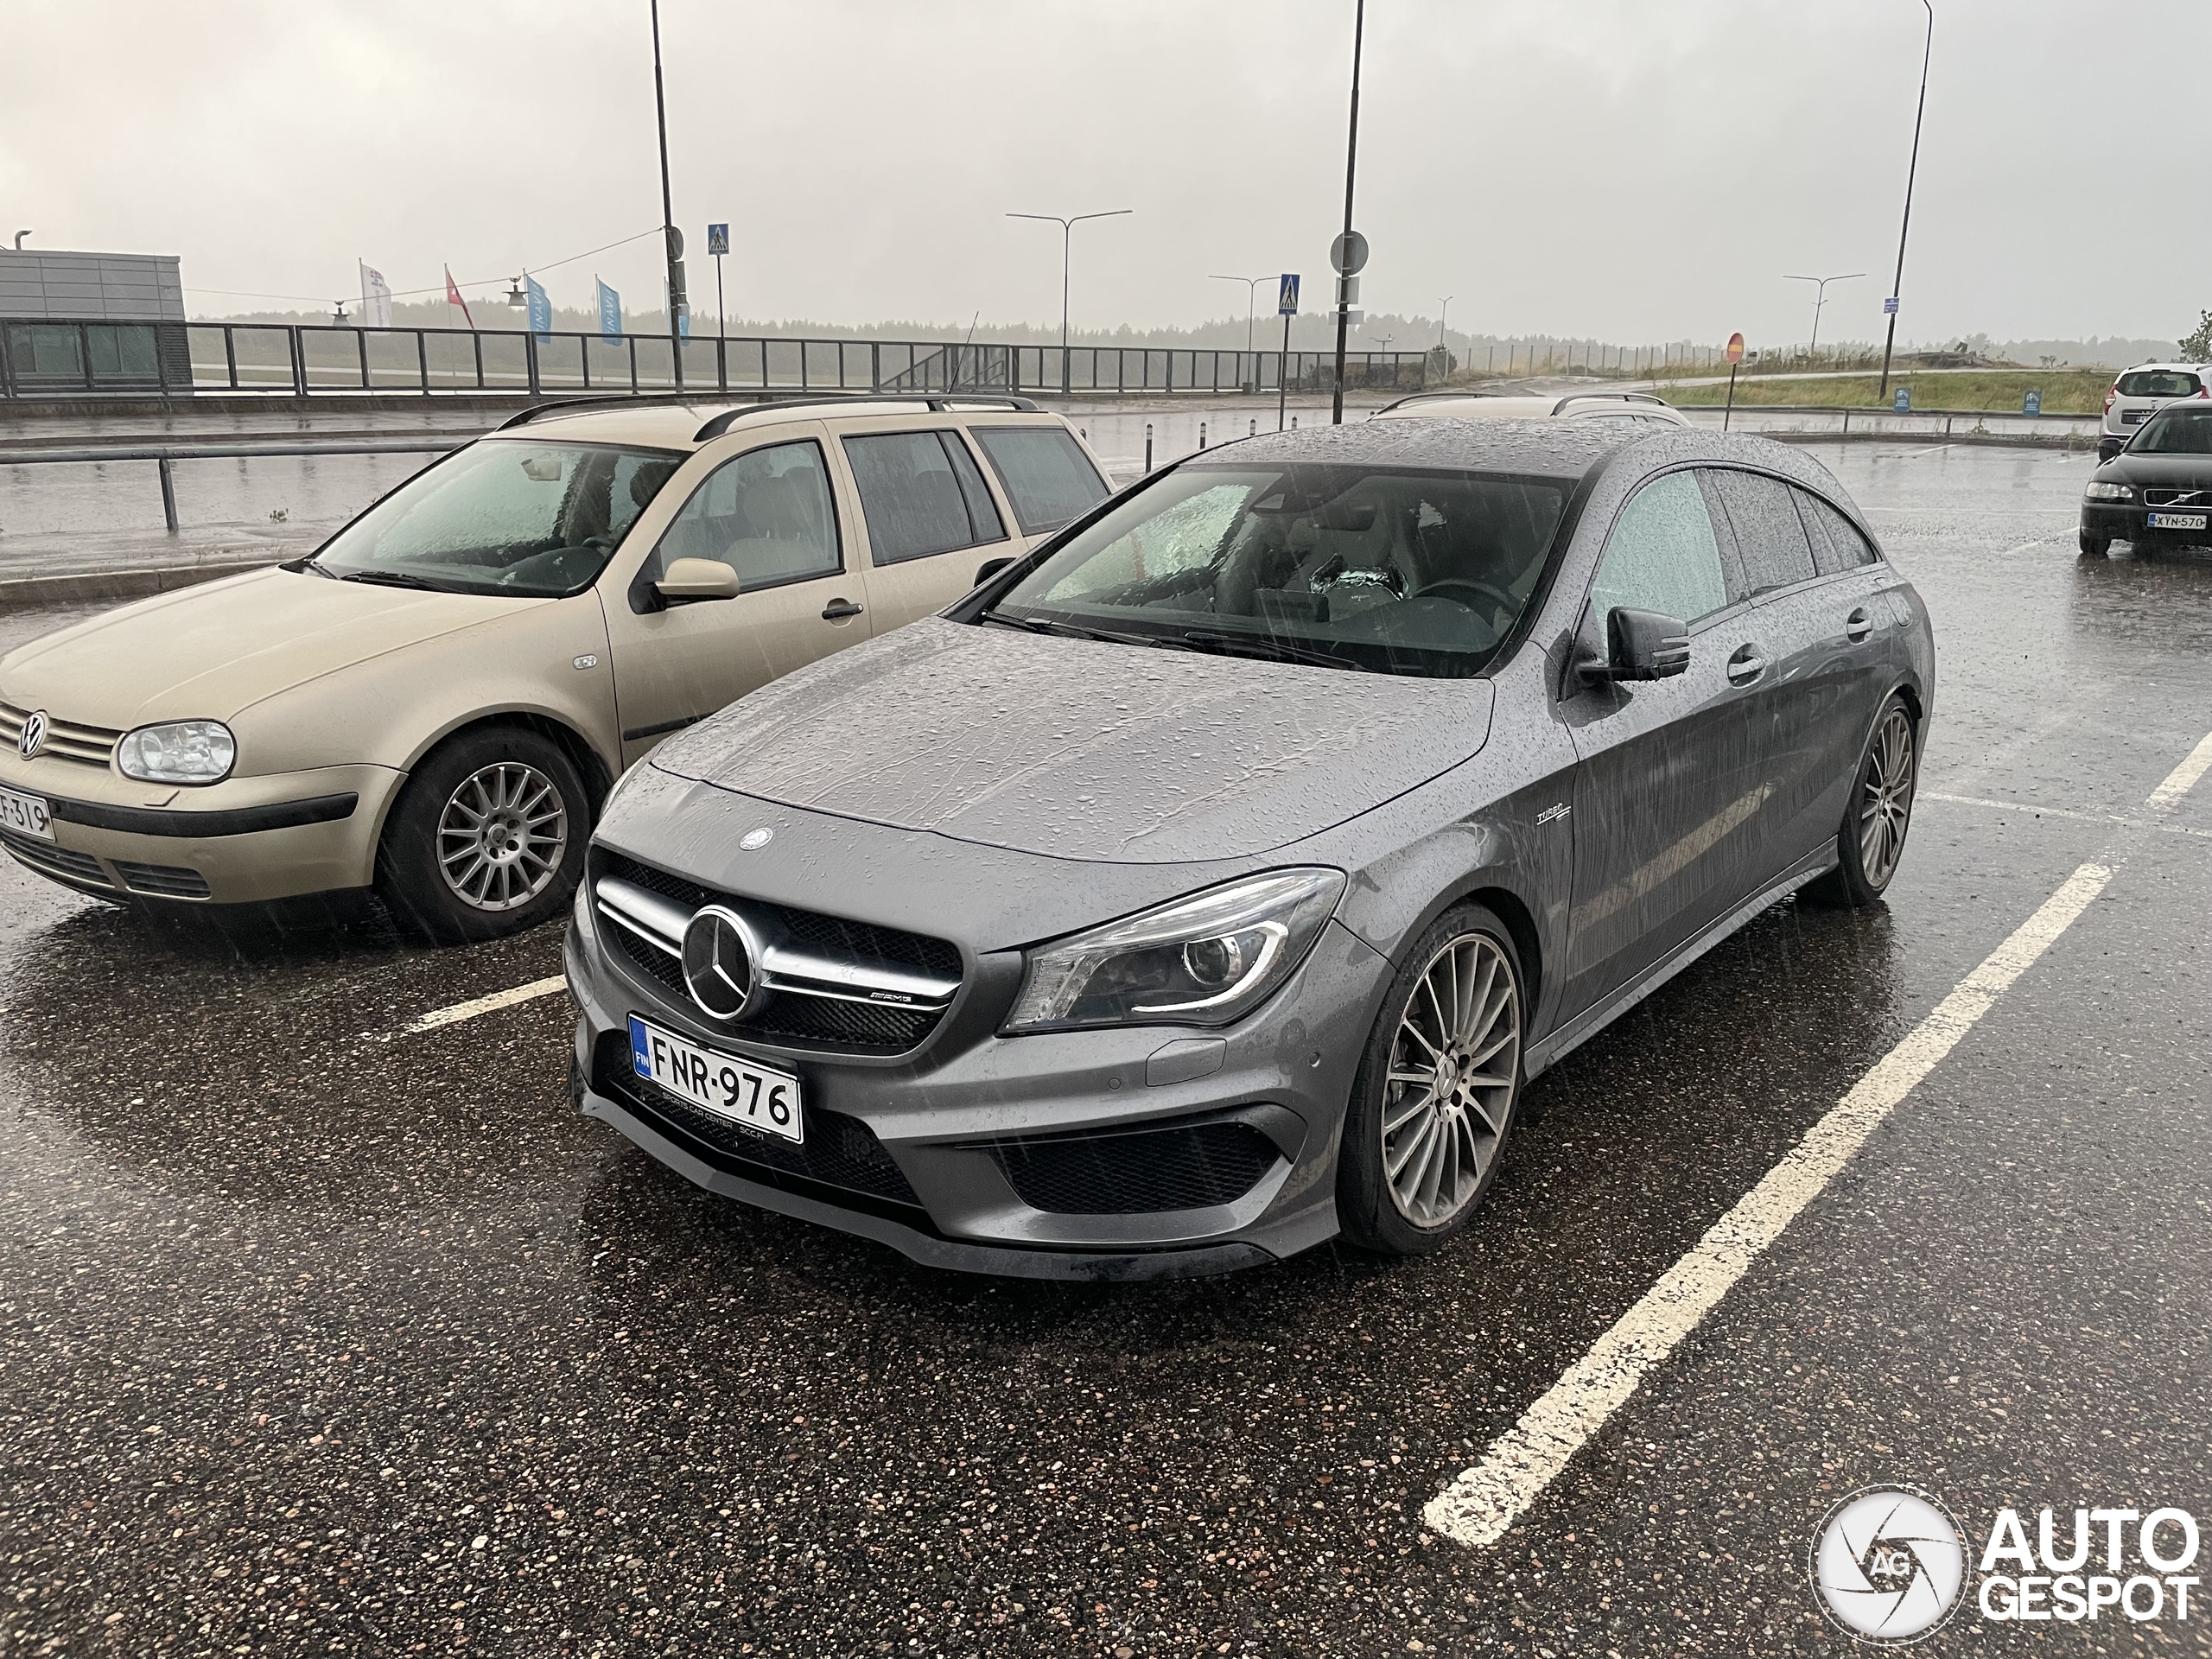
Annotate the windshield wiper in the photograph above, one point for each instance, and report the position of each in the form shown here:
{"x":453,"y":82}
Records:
{"x":1273,"y":651}
{"x":394,"y":579}
{"x":1072,"y":630}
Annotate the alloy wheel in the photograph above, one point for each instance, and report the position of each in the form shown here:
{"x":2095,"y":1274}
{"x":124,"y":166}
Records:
{"x":1886,"y":799}
{"x":501,"y":835}
{"x":1454,"y":1066}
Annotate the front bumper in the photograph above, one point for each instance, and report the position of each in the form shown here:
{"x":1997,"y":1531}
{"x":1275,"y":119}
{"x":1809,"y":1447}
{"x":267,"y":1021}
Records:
{"x":933,"y":1152}
{"x":2124,"y":521}
{"x":244,"y":841}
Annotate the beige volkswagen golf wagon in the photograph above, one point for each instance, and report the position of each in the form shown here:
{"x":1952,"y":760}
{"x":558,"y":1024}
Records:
{"x":436,"y":702}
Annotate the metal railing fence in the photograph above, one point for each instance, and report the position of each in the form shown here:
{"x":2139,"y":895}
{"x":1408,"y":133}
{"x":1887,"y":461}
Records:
{"x":74,"y":359}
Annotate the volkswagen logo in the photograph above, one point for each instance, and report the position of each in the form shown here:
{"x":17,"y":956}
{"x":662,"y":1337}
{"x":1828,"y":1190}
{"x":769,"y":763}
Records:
{"x":1888,"y":1564}
{"x":33,"y":736}
{"x":721,"y":963}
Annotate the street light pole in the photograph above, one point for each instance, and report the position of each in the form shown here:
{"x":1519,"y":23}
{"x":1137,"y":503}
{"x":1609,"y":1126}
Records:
{"x":1251,"y":300}
{"x":1067,"y":233}
{"x":1912,"y":168}
{"x":1821,"y":298}
{"x":669,"y":246}
{"x":1351,"y":163}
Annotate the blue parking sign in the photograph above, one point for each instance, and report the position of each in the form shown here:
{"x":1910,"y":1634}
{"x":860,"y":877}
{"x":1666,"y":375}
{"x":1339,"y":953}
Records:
{"x":1287,"y":295}
{"x":1902,"y":401}
{"x":2032,"y":404}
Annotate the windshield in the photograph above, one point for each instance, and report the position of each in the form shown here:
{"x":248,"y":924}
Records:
{"x":2175,"y":432}
{"x":1395,"y":572}
{"x":504,"y":516}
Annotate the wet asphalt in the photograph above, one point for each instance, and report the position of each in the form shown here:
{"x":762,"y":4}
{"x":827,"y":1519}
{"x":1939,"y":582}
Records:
{"x":317,"y":1337}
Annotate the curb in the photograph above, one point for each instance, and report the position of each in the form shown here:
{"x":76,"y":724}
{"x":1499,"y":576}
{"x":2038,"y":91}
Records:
{"x":30,"y":593}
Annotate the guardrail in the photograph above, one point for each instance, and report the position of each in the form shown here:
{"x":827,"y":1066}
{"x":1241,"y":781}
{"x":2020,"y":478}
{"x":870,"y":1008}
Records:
{"x":172,"y":360}
{"x":164,"y":455}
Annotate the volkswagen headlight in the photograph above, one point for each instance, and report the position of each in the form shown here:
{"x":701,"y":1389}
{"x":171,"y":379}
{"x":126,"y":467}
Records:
{"x":2103,"y":491}
{"x":1206,"y":960}
{"x":180,"y":751}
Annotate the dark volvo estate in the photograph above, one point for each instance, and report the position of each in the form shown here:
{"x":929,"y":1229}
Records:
{"x":1212,"y":882}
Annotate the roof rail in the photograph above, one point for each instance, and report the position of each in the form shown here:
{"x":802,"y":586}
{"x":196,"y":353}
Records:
{"x":606,"y":400}
{"x":755,"y":403}
{"x":1456,"y":391}
{"x":1610,"y":396}
{"x":938,"y":401}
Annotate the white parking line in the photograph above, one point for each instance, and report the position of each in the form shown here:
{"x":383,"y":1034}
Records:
{"x":475,"y":1005}
{"x":1479,"y":1506}
{"x":2120,"y":818}
{"x":2182,"y":778}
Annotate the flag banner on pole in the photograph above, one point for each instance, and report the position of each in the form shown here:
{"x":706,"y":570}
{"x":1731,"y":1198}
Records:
{"x":452,"y":297}
{"x":541,"y":309}
{"x":610,"y":312}
{"x":375,"y":298}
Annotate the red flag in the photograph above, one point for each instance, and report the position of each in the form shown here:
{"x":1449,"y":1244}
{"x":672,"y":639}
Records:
{"x":453,"y":296}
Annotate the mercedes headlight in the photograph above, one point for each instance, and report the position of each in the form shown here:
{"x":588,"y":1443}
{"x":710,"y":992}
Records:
{"x":2102,"y":492}
{"x":179,"y":752}
{"x":1206,"y":960}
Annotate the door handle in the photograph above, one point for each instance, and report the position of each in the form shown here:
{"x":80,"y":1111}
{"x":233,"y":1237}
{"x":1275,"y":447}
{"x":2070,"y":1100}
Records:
{"x":1746,"y":666}
{"x":1857,"y":625}
{"x":838,"y":609}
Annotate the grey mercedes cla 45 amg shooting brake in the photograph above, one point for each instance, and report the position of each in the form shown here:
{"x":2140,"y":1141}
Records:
{"x":1213,"y":881}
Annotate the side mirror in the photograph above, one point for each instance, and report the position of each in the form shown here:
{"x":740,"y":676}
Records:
{"x":686,"y":579}
{"x":1644,"y":645}
{"x":2108,"y":448}
{"x":990,"y":568}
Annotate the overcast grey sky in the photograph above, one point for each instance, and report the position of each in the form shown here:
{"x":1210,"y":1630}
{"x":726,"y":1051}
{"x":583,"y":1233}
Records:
{"x":1635,"y":169}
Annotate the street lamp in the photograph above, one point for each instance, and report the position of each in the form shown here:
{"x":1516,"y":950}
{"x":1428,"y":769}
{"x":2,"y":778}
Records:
{"x":1067,"y":234}
{"x":1352,"y":172}
{"x":1251,"y":300}
{"x":1912,"y":168}
{"x":1821,"y":298}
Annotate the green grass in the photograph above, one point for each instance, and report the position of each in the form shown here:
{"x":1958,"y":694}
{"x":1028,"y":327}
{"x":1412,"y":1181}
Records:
{"x":2065,"y":392}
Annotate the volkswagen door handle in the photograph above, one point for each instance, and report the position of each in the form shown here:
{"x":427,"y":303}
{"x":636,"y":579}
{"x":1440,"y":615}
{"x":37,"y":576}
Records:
{"x":1857,"y":625}
{"x":838,"y":609}
{"x":1746,"y":666}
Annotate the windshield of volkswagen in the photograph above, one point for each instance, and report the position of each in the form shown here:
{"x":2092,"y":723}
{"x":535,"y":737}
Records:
{"x":532,"y":519}
{"x":1392,"y":572}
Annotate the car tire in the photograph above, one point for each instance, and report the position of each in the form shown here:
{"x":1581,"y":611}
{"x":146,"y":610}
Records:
{"x":2093,"y":547}
{"x":1877,"y":815}
{"x":487,"y":838}
{"x":1419,"y":1086}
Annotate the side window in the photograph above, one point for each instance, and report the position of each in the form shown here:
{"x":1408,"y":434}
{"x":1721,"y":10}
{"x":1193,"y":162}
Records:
{"x":922,"y":494}
{"x":767,"y":515}
{"x":1770,"y":537}
{"x":1837,"y":544}
{"x":1662,"y":556}
{"x":1047,"y":477}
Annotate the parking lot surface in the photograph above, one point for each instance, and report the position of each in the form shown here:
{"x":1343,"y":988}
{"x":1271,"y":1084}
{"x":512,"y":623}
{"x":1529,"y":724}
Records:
{"x":322,"y":1334}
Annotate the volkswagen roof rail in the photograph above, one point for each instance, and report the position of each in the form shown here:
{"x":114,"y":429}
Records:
{"x":754,"y":403}
{"x":1454,"y":392}
{"x":1611,"y":396}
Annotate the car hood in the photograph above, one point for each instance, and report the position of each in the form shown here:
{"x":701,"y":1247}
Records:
{"x":213,"y":651}
{"x":2183,"y":471}
{"x":1084,"y":750}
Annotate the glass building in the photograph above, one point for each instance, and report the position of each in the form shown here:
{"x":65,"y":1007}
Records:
{"x":91,"y":322}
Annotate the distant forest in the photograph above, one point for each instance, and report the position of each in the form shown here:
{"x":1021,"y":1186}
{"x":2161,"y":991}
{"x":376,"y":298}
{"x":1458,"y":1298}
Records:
{"x":1379,"y":332}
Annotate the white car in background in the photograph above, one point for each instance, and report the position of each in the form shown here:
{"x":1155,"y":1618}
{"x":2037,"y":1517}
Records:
{"x":1631,"y":406}
{"x":2138,"y":393}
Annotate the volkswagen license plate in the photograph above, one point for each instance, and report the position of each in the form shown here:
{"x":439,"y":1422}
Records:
{"x":738,"y":1091}
{"x":2174,"y":520}
{"x":26,"y":815}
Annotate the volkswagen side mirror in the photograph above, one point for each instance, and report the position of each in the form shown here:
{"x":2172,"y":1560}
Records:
{"x":990,"y":568}
{"x":1645,"y":646}
{"x":688,"y":579}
